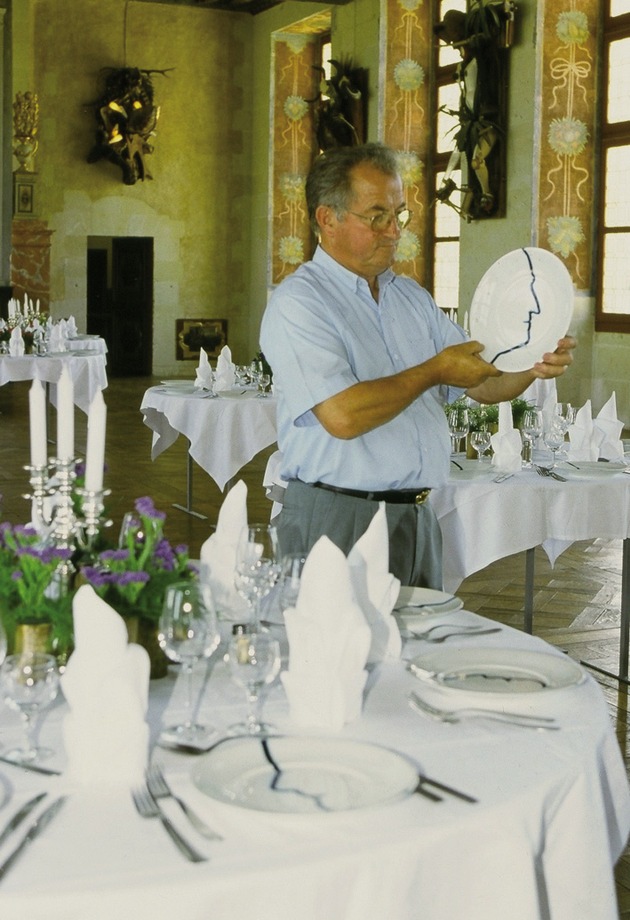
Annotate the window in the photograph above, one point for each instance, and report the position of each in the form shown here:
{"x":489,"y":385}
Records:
{"x":445,"y":219}
{"x":612,"y":312}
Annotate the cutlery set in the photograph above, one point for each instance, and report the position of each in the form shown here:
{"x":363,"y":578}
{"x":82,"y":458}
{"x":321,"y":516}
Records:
{"x":38,"y":825}
{"x":420,"y":705}
{"x":546,"y":471}
{"x":427,"y":634}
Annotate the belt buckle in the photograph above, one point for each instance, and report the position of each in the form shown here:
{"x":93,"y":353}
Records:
{"x":422,"y":496}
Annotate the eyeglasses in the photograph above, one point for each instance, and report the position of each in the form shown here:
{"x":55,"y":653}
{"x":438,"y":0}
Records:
{"x":382,"y":221}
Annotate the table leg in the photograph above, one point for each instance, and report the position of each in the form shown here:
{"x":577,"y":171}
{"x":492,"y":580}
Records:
{"x":528,"y":614}
{"x":624,"y":623}
{"x":188,"y":508}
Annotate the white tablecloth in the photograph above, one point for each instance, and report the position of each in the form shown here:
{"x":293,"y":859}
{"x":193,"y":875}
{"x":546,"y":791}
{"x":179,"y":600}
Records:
{"x":87,"y":371}
{"x":482,"y":521}
{"x":87,"y":343}
{"x":552,"y":818}
{"x":224,"y":432}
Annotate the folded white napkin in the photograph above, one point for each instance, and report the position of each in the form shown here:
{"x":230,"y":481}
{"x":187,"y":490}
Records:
{"x":375,"y":588}
{"x":225,"y":376}
{"x":549,"y":410}
{"x":329,"y":641}
{"x":611,"y":447}
{"x":56,"y":339}
{"x":204,"y":377}
{"x":506,"y":443}
{"x":106,"y":685}
{"x":71,"y":328}
{"x":218,"y":553}
{"x":16,"y":343}
{"x":584,"y":438}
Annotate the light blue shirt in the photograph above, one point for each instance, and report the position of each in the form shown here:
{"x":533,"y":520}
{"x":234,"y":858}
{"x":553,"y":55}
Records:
{"x":323,"y":332}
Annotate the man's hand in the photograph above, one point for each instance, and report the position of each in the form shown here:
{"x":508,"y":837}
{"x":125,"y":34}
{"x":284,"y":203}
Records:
{"x":462,"y":366}
{"x":555,"y":363}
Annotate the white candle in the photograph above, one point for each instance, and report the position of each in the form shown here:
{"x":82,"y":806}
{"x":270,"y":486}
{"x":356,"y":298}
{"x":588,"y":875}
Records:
{"x":37,"y":416}
{"x":95,"y":455}
{"x":65,"y":416}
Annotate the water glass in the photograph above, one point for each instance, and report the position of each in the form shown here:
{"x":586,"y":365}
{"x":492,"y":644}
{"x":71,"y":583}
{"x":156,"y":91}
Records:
{"x":29,"y":682}
{"x":531,"y":430}
{"x":480,"y":441}
{"x":458,"y":425}
{"x":254,"y":660}
{"x":291,"y":567}
{"x":257,"y":565}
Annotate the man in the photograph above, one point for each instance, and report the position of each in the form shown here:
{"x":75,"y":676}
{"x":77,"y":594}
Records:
{"x":363,"y":363}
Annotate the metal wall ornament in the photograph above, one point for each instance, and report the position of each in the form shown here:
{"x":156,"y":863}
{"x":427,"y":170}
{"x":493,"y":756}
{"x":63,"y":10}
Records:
{"x":340,"y":107}
{"x":25,"y":128}
{"x":126,"y":121}
{"x":482,"y":35}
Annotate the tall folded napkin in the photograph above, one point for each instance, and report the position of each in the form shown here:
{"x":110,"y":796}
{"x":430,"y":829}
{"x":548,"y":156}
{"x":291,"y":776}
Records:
{"x":549,"y":410}
{"x":218,"y":553}
{"x":329,"y":642}
{"x":204,"y":377}
{"x":225,"y":375}
{"x":56,"y":339}
{"x":106,"y":685}
{"x":506,"y":443}
{"x":375,"y":588}
{"x":71,"y":327}
{"x":584,"y":438}
{"x":16,"y":343}
{"x":611,"y":447}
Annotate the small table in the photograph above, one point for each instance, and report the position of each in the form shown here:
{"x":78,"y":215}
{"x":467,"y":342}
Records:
{"x":224,"y":432}
{"x":87,"y":369}
{"x":482,"y":521}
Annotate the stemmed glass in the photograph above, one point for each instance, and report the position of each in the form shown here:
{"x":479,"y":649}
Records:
{"x":257,"y":564}
{"x":263,"y":382}
{"x":189,"y":632}
{"x":254,"y":660}
{"x":531,"y":430}
{"x":554,"y":439}
{"x":458,"y":425}
{"x":29,"y":682}
{"x":480,"y":441}
{"x":291,"y":567}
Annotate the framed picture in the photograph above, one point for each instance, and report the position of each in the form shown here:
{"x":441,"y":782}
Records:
{"x":191,"y":335}
{"x":23,"y":198}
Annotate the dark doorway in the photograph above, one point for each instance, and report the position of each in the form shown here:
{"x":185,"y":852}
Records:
{"x":120,"y":301}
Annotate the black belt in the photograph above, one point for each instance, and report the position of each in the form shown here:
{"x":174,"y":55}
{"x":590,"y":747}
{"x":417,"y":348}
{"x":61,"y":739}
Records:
{"x":403,"y":497}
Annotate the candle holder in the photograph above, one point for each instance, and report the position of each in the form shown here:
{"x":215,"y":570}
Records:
{"x":39,"y":477}
{"x":92,"y":508}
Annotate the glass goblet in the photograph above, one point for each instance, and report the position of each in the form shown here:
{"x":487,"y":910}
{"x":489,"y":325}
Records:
{"x":554,"y":439}
{"x":531,"y":430}
{"x":257,"y":565}
{"x":458,"y":424}
{"x":263,"y":382}
{"x":291,"y":567}
{"x":188,"y":633}
{"x":480,"y":441}
{"x":254,"y":660}
{"x":29,"y":682}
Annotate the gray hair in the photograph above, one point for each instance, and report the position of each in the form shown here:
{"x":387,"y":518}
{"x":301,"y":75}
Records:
{"x":329,"y":181}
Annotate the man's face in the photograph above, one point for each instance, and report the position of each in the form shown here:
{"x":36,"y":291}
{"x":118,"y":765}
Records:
{"x":350,"y":240}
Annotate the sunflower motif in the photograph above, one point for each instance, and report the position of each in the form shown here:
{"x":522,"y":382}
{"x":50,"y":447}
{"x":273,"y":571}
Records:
{"x":410,"y":6}
{"x":567,"y":136}
{"x":295,"y":107}
{"x":409,"y":167}
{"x":408,"y":247}
{"x":572,"y":27}
{"x":292,"y":186}
{"x":291,"y":250}
{"x":565,"y":233}
{"x":408,"y":75}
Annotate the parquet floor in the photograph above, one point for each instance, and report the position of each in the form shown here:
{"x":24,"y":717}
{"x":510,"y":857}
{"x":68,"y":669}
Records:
{"x":576,"y":602}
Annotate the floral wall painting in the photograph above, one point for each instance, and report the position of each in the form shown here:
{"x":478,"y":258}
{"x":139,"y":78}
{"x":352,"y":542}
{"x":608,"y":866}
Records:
{"x":404,"y":105}
{"x":567,"y":119}
{"x":126,"y":119}
{"x":482,"y":36}
{"x":296,"y":79}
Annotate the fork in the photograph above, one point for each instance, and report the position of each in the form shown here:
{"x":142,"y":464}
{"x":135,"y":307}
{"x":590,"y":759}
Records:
{"x":159,"y":789}
{"x":546,"y":471}
{"x":461,"y":631}
{"x":441,"y":715}
{"x":147,"y":807}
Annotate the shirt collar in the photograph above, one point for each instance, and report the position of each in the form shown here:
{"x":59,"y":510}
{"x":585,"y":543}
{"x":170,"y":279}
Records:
{"x":350,"y":279}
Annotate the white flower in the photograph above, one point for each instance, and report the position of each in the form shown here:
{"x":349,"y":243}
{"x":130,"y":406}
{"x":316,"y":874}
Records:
{"x":572,"y":27}
{"x":564,"y":234}
{"x":567,"y":136}
{"x":410,"y":167}
{"x":408,"y":75}
{"x":295,"y":107}
{"x":291,"y":250}
{"x":408,"y":247}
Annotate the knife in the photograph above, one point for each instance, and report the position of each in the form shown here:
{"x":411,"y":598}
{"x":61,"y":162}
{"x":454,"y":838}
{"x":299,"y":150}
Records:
{"x":19,"y":816}
{"x":35,"y":829}
{"x":47,"y":771}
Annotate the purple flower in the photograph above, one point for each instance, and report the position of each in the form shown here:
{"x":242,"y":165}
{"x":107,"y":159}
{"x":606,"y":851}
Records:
{"x":130,"y":578}
{"x":146,"y":508}
{"x":114,"y":555}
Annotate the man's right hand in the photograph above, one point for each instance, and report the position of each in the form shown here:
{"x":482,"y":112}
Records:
{"x":462,"y":366}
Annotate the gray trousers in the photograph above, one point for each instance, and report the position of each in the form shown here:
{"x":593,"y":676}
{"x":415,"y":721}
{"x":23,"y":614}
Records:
{"x":415,"y":540}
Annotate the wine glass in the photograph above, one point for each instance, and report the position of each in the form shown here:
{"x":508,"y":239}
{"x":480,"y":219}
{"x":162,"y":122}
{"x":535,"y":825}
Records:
{"x":3,"y":643}
{"x":554,"y":439}
{"x":254,"y":660}
{"x":531,"y":430}
{"x":480,"y":441}
{"x":188,"y":632}
{"x":458,"y":425}
{"x":291,"y":567}
{"x":566,"y":413}
{"x":263,"y":382}
{"x":29,"y":682}
{"x":257,"y":564}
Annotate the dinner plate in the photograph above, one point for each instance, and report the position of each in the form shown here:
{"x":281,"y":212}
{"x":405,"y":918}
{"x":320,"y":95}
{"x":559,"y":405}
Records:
{"x":189,"y":390}
{"x":521,"y":307}
{"x":585,"y":469}
{"x":425,"y":601}
{"x":311,"y":775}
{"x":177,"y":383}
{"x":471,"y":469}
{"x":505,"y":677}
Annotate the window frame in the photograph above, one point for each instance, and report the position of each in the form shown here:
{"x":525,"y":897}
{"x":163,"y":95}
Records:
{"x":611,"y":135}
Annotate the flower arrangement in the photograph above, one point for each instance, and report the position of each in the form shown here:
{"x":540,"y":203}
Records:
{"x":487,"y":416}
